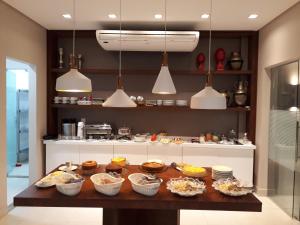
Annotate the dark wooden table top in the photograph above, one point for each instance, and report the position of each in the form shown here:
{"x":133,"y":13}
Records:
{"x":128,"y":199}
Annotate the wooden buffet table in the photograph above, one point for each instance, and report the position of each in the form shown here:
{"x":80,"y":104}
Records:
{"x":129,"y":207}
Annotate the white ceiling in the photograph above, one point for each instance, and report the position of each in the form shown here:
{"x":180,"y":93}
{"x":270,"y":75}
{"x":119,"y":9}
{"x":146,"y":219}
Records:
{"x":181,"y":14}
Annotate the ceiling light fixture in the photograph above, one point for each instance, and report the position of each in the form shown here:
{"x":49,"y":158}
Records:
{"x":252,"y":16}
{"x":205,"y":16}
{"x":112,"y":16}
{"x":164,"y":83}
{"x":158,"y":16}
{"x":208,"y":98}
{"x":119,"y":98}
{"x":67,"y":16}
{"x":73,"y":81}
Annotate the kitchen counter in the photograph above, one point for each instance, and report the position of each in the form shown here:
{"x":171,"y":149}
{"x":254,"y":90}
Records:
{"x":116,"y":142}
{"x":238,"y":157}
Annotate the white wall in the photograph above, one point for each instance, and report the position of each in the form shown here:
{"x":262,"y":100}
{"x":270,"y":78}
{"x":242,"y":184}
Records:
{"x":25,"y":40}
{"x":279,"y":42}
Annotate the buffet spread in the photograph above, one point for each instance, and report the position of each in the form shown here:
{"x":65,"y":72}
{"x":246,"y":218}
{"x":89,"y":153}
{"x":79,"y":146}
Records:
{"x":130,"y":193}
{"x":146,"y":182}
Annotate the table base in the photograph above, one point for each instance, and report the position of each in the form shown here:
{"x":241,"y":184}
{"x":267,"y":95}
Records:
{"x":140,"y":216}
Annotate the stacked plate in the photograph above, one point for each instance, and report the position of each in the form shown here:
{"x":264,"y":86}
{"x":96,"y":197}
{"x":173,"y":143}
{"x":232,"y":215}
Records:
{"x":168,"y":102}
{"x":181,"y":102}
{"x":221,"y":172}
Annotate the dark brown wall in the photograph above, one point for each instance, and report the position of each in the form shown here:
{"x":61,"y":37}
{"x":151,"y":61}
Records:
{"x":181,"y":122}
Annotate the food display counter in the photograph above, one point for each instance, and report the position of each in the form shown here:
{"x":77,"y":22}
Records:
{"x":238,"y":157}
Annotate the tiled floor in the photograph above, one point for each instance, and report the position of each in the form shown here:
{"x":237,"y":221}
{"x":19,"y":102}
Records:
{"x":15,"y":186}
{"x":20,"y":171}
{"x":271,"y":215}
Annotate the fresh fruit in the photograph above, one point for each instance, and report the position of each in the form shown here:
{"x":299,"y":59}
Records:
{"x":154,"y":137}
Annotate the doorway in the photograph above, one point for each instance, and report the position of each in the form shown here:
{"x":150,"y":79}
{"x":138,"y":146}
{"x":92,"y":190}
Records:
{"x":17,"y":126}
{"x":284,"y":138}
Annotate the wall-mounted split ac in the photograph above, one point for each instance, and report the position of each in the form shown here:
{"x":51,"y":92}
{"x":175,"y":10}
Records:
{"x":154,"y":41}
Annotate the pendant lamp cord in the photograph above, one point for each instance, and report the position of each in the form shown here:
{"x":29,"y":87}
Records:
{"x":209,"y":76}
{"x":120,"y":85}
{"x":165,"y":27}
{"x":74,"y":28}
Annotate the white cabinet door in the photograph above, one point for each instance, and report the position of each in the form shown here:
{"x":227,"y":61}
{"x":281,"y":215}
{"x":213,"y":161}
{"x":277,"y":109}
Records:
{"x":240,"y":160}
{"x":135,"y":153}
{"x":167,"y":152}
{"x":57,"y":154}
{"x":199,"y":156}
{"x":100,"y":153}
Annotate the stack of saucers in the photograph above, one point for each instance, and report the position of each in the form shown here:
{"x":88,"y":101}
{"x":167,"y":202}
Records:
{"x":168,"y":102}
{"x":221,"y":172}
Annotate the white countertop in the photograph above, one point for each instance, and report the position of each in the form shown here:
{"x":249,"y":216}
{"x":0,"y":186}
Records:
{"x":117,"y":142}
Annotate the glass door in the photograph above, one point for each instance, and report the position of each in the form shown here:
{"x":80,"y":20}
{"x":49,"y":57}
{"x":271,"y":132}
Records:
{"x":296,"y":212}
{"x":283,"y":135}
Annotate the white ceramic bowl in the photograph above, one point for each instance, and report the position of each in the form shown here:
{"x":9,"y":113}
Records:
{"x":70,"y":189}
{"x":107,"y":189}
{"x":147,"y":189}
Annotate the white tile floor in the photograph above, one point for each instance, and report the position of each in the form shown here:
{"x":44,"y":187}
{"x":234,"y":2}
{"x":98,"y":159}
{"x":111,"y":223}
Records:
{"x":270,"y":215}
{"x":22,"y":171}
{"x":14,"y":187}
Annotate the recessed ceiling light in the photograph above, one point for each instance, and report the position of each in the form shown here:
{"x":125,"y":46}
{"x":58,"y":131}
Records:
{"x":205,"y":16}
{"x":157,"y":16}
{"x":112,"y":16}
{"x":252,"y":16}
{"x":67,"y":16}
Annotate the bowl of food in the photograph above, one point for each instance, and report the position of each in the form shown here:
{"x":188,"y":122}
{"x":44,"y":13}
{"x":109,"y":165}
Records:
{"x":153,"y":166}
{"x":69,"y":184}
{"x":232,"y":187}
{"x":145,"y":184}
{"x":186,"y":186}
{"x":193,"y":171}
{"x":107,"y":184}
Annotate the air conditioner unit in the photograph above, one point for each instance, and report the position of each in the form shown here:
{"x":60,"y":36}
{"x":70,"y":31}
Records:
{"x":154,"y":41}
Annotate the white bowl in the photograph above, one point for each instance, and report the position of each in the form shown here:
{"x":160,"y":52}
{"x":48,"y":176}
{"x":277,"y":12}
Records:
{"x":107,"y":189}
{"x":70,"y":189}
{"x":147,"y":189}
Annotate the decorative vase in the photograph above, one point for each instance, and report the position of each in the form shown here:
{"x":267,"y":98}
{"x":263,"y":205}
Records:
{"x":201,"y":62}
{"x":236,"y":62}
{"x":220,"y":58}
{"x":240,"y":94}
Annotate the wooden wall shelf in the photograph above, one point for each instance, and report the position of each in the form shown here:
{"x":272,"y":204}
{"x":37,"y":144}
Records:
{"x":161,"y":108}
{"x":103,"y":64}
{"x":97,"y":71}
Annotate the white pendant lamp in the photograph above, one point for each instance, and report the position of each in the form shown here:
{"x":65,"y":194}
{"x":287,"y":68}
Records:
{"x":119,"y":98}
{"x":164,"y":83}
{"x":208,"y":98}
{"x":73,"y":81}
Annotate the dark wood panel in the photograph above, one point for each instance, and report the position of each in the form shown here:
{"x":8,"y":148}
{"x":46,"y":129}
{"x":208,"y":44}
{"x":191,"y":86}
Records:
{"x":97,"y":71}
{"x":140,"y":216}
{"x":189,"y":81}
{"x":161,"y":108}
{"x":128,"y":199}
{"x":51,"y":82}
{"x":253,"y":61}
